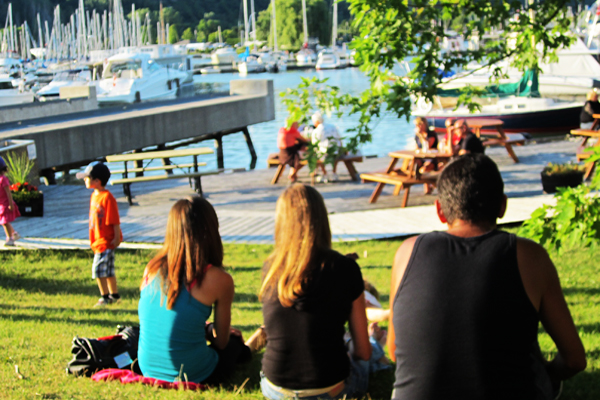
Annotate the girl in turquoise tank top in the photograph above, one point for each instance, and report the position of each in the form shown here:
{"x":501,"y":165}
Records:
{"x":179,"y":288}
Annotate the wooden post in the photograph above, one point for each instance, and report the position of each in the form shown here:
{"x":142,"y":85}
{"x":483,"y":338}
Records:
{"x":250,"y":147}
{"x":219,"y":146}
{"x":165,"y":161}
{"x":139,"y":163}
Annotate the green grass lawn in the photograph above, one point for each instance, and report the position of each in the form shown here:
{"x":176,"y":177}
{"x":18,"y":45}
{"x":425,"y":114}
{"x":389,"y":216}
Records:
{"x":46,"y":298}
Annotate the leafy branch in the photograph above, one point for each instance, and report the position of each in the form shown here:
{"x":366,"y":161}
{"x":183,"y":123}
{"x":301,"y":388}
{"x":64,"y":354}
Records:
{"x":314,"y":94}
{"x":573,"y":222}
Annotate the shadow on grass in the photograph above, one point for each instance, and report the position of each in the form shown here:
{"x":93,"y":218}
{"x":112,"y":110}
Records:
{"x":245,"y":298}
{"x":58,"y":286}
{"x":577,"y":291}
{"x":583,"y":386}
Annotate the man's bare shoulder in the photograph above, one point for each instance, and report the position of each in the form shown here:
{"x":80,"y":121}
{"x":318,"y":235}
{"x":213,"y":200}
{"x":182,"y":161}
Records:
{"x":536,"y":269}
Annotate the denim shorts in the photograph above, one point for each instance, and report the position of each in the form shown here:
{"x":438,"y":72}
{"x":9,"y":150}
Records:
{"x":104,"y":264}
{"x":356,"y":385}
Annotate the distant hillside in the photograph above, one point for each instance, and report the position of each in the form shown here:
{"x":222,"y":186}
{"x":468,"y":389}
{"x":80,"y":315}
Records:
{"x":186,"y":14}
{"x":189,"y":12}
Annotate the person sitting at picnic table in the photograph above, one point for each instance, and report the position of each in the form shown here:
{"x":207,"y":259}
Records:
{"x":180,"y":286}
{"x":309,"y":292}
{"x":469,"y":142}
{"x":451,"y":138}
{"x":467,"y":302}
{"x":425,"y":138}
{"x":591,"y":107}
{"x":326,"y":137}
{"x":290,"y":142}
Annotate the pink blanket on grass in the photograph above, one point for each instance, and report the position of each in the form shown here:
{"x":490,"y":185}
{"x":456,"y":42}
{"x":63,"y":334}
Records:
{"x":127,"y":376}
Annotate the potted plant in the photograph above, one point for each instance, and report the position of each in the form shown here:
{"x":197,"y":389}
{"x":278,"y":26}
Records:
{"x":561,"y":175}
{"x":27,"y":196}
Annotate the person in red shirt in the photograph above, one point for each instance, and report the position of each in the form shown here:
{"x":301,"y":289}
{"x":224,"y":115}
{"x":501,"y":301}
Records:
{"x":105,"y":232}
{"x":290,"y":143}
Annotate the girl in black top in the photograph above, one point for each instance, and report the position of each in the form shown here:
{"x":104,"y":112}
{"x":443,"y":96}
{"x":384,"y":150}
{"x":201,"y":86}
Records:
{"x":309,"y":292}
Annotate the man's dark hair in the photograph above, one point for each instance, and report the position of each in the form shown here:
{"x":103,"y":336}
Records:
{"x":471,"y":188}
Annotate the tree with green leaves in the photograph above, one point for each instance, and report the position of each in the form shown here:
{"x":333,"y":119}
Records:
{"x":173,"y":35}
{"x":289,"y":22}
{"x":187,"y":34}
{"x":207,"y":25}
{"x":393,"y":31}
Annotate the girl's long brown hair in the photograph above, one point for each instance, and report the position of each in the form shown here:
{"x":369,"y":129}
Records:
{"x":192,"y":242}
{"x":301,"y":232}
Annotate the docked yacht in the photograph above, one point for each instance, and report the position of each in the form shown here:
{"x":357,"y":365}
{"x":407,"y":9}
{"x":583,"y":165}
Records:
{"x":306,"y":58}
{"x":131,"y":78}
{"x":328,"y":59}
{"x":224,"y":55}
{"x":251,"y":65}
{"x":10,"y":95}
{"x":73,"y":77}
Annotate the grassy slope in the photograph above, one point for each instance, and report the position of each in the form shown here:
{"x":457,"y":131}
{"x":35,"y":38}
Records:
{"x":46,"y":299}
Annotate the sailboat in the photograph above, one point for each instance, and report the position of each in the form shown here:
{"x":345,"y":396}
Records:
{"x":518,"y":105}
{"x":305,"y":57}
{"x":574,"y":74}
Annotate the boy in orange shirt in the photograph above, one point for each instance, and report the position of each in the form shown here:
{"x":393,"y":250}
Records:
{"x":105,"y":232}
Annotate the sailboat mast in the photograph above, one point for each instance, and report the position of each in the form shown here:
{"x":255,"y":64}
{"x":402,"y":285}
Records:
{"x":245,"y":2}
{"x":274,"y":23}
{"x":304,"y":24}
{"x":334,"y":29}
{"x":253,"y":18}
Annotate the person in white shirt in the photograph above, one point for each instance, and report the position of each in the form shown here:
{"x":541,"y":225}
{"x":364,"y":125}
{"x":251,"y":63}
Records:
{"x":325,"y":136}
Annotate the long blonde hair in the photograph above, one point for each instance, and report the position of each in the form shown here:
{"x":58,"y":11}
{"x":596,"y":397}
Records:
{"x":301,"y":232}
{"x":192,"y":243}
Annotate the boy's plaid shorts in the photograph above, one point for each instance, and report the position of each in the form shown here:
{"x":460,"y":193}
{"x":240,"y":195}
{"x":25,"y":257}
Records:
{"x":104,"y":264}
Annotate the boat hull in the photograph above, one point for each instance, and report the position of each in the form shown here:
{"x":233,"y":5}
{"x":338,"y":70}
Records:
{"x":556,"y":120}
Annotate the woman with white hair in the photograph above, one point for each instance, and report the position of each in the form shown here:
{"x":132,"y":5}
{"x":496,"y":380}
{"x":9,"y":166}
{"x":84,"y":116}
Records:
{"x":591,"y":107}
{"x":327,"y":138}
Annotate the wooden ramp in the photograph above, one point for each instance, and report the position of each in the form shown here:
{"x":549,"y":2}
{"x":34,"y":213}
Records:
{"x":245,"y":204}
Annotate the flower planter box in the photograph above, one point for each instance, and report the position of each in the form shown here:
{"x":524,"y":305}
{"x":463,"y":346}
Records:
{"x":32,"y":208}
{"x":570,"y":179}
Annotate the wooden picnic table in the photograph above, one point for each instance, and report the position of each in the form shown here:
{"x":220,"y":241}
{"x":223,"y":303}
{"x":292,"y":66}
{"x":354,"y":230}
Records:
{"x":497,"y":134}
{"x":587,"y":134}
{"x":168,"y":166}
{"x":407,"y":175}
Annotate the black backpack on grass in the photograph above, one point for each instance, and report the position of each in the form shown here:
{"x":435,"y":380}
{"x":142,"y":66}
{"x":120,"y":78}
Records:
{"x":93,"y":355}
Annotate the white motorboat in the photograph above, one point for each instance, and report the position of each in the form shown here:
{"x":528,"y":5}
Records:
{"x":306,"y":58}
{"x":225,"y":55}
{"x":251,"y":65}
{"x":73,"y":77}
{"x":167,"y":56}
{"x":10,"y":95}
{"x":327,"y":59}
{"x":131,"y":78}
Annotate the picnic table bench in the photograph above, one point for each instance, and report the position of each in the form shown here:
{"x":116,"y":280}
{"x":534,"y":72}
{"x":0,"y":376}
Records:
{"x":407,"y":175}
{"x":582,"y":154}
{"x":348,"y":160}
{"x":496,"y":137}
{"x":193,"y":174}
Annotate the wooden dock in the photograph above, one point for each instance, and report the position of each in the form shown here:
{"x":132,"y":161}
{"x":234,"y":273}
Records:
{"x":245,"y":204}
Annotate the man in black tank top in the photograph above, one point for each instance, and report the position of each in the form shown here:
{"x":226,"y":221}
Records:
{"x":466,"y":302}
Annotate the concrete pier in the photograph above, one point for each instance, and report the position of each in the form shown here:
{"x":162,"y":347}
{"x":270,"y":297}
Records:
{"x":75,"y":139}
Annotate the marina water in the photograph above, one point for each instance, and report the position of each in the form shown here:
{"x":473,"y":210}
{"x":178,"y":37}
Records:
{"x":389,"y":133}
